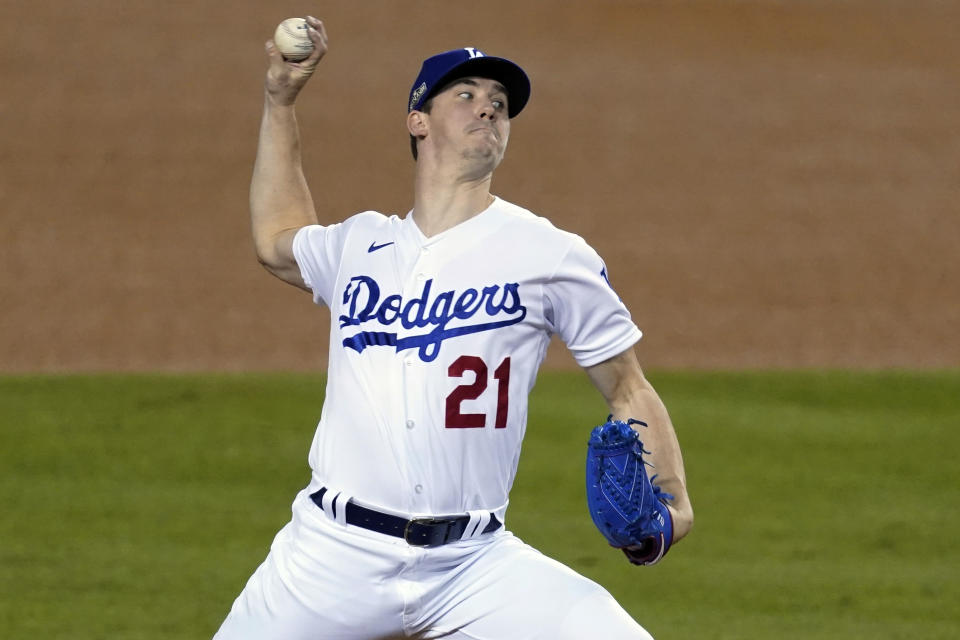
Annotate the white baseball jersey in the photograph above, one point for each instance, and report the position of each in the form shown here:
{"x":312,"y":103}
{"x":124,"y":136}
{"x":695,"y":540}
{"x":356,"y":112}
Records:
{"x":435,"y":345}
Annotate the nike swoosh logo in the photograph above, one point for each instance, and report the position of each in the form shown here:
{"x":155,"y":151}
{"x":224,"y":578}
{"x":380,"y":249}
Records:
{"x":374,"y":246}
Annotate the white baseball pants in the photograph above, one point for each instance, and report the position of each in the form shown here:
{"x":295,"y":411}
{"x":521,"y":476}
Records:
{"x":328,"y":581}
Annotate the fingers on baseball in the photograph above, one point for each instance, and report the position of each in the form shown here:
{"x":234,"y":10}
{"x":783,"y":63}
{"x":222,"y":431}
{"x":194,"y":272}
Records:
{"x":272,"y":52}
{"x":279,"y":66}
{"x":318,"y":35}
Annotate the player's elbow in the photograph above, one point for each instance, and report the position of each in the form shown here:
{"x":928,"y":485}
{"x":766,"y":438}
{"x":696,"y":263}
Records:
{"x":279,"y":263}
{"x":274,"y":250}
{"x":267,"y":256}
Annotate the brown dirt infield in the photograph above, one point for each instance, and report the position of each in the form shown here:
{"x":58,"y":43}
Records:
{"x":772,"y":184}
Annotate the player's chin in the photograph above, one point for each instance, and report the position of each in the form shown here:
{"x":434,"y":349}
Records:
{"x":489,"y":155}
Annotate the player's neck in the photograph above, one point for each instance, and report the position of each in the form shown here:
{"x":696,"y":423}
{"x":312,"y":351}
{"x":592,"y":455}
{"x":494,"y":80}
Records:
{"x":440,"y":204}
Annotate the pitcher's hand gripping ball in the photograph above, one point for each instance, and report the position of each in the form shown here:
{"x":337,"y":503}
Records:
{"x":626,"y":506}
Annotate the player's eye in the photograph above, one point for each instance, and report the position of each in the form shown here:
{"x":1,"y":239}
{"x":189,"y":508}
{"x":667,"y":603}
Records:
{"x":465,"y":94}
{"x":498,"y":104}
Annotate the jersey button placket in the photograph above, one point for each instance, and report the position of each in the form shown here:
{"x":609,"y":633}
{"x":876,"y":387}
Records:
{"x":423,"y":264}
{"x":412,"y":375}
{"x":413,"y":288}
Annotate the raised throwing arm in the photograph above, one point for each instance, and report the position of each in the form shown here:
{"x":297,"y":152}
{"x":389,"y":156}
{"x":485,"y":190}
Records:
{"x":280,"y":200}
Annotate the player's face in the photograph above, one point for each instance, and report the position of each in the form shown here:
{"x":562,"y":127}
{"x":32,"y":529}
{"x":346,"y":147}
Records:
{"x":470,"y":117}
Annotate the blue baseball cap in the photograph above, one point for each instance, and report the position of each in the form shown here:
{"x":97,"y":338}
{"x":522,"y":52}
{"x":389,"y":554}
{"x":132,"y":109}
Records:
{"x":437,"y":71}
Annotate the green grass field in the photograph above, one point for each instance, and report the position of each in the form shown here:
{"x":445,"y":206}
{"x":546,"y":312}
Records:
{"x":135,"y":507}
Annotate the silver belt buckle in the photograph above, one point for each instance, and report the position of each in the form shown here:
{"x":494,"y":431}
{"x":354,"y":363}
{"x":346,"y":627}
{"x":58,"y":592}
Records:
{"x":427,"y":522}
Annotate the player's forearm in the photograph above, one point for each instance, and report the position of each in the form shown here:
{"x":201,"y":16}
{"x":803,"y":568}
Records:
{"x":280,"y":199}
{"x":659,"y":438}
{"x":630,"y":395}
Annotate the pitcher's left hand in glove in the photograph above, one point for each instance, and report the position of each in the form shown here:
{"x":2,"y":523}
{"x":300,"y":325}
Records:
{"x":626,"y":506}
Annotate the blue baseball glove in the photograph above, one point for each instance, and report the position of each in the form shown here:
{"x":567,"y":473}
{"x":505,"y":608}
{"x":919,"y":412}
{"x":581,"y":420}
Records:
{"x":626,"y":506}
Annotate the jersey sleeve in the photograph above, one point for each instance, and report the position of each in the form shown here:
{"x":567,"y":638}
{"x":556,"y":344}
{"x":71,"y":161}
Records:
{"x":583,"y":309}
{"x":317,"y":250}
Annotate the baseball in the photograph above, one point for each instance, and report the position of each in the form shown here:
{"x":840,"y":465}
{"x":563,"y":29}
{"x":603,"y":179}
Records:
{"x":292,"y":39}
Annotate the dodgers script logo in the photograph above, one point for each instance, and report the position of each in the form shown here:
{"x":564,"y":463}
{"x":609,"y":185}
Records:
{"x":443,"y":315}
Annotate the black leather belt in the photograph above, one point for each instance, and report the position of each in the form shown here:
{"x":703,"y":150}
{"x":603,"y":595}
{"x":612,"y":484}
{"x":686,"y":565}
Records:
{"x":419,"y":532}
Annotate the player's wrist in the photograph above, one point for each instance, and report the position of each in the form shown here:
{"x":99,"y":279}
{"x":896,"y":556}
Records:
{"x":681,"y":518}
{"x":280,"y":98}
{"x":652,"y":549}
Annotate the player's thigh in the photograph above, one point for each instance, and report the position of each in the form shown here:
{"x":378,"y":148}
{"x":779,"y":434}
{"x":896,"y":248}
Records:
{"x":318,"y":583}
{"x":266,"y":609}
{"x":514,"y":591}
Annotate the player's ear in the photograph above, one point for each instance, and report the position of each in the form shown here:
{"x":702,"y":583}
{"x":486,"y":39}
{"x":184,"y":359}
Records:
{"x":417,"y":124}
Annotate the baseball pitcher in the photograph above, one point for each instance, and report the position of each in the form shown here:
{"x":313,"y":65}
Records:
{"x":440,"y":320}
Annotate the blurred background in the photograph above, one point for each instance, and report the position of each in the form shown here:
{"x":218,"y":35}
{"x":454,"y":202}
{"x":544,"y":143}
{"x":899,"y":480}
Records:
{"x":772,"y":184}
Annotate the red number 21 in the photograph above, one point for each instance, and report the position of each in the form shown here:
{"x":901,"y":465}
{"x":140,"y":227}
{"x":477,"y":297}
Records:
{"x":472,"y":390}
